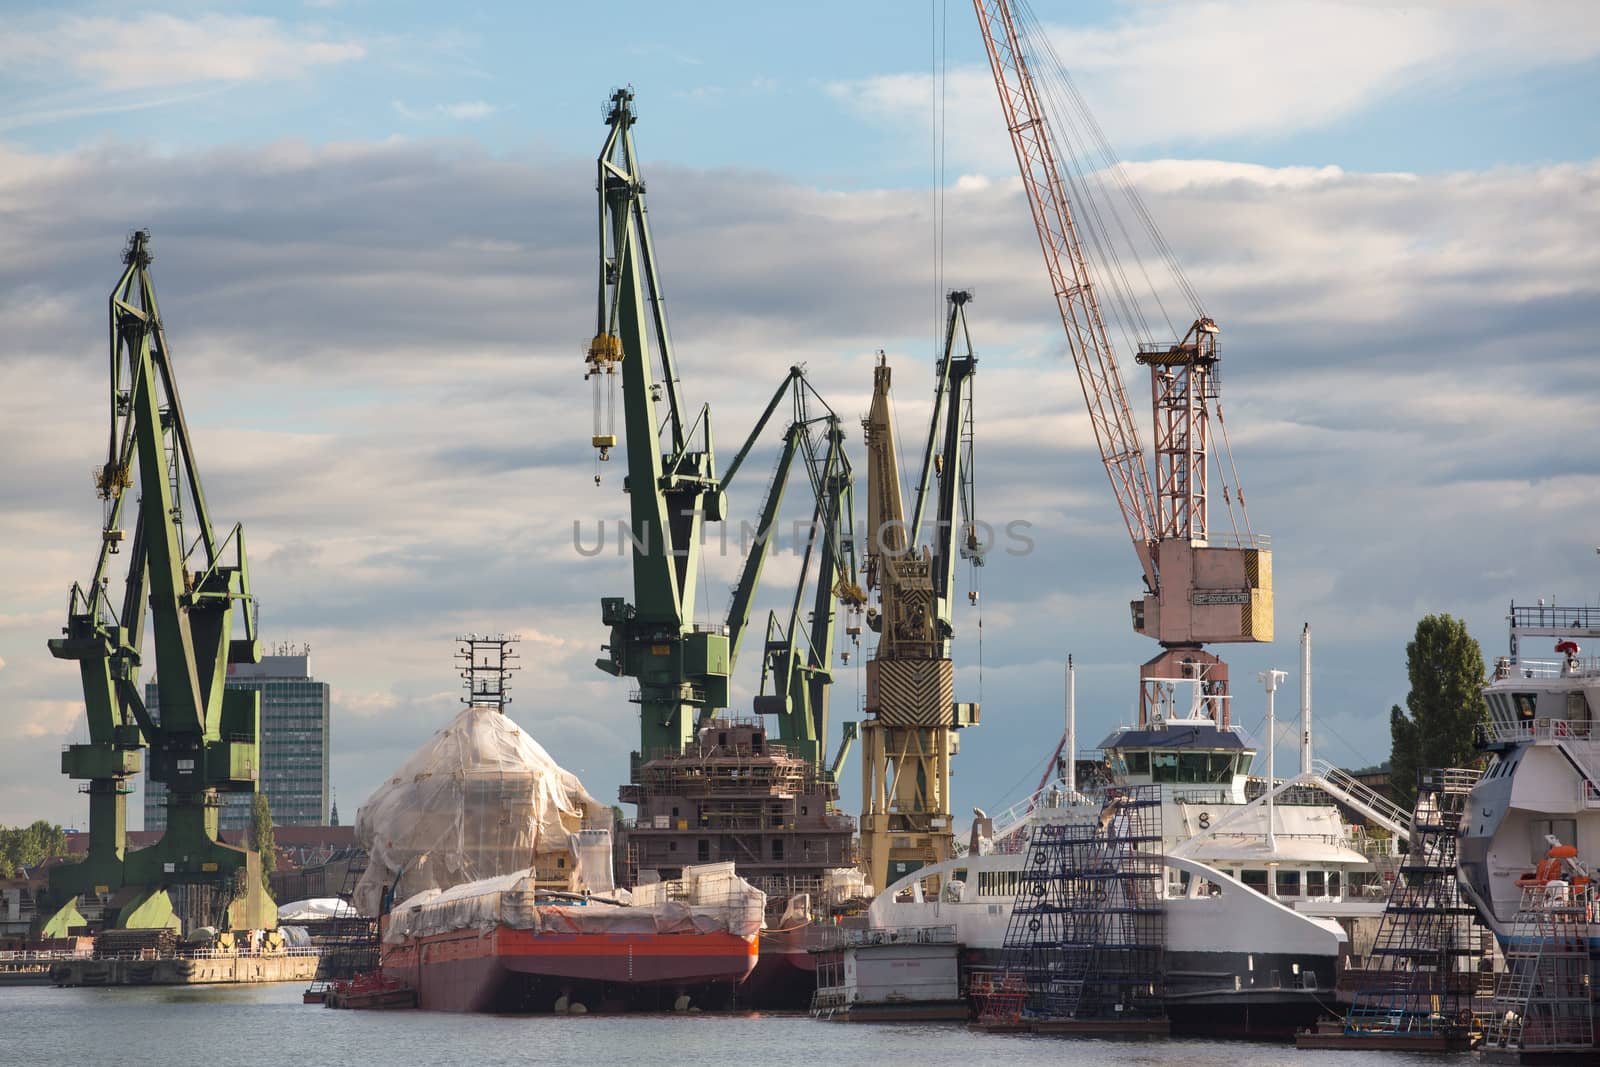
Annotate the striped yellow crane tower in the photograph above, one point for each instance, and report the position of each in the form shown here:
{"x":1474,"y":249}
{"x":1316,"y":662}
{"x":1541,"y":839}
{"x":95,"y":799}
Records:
{"x":908,"y":736}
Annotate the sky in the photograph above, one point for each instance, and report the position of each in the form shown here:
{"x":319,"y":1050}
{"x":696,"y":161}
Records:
{"x":373,"y":228}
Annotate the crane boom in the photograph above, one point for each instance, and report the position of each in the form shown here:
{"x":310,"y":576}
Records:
{"x":1195,"y":591}
{"x":1114,"y":429}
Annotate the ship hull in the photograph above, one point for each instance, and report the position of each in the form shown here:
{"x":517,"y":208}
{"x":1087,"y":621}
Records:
{"x":1259,"y":995}
{"x":513,"y":970}
{"x":785,"y":976}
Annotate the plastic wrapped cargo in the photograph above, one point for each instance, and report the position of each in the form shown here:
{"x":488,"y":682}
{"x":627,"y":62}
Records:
{"x":708,"y":899}
{"x":479,"y":800}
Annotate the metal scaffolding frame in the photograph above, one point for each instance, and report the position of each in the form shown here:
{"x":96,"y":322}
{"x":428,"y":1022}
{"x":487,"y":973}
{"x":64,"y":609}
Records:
{"x":1422,"y":972}
{"x":1088,"y":930}
{"x":1544,"y":1000}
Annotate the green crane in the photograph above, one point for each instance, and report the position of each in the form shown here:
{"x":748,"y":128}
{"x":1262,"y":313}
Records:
{"x":207,"y":736}
{"x":799,"y":659}
{"x":682,"y":670}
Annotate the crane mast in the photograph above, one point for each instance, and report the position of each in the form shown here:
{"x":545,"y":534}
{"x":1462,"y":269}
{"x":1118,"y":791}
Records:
{"x":682,"y":668}
{"x":206,"y":738}
{"x":909,"y":735}
{"x":1198,"y":588}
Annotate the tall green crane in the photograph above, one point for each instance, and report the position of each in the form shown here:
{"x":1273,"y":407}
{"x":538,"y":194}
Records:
{"x":682,"y":669}
{"x":799,"y":656}
{"x":206,"y":740}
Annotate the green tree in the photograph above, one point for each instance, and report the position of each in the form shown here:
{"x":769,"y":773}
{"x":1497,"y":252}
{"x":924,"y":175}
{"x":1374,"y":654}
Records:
{"x":27,"y":846}
{"x":261,"y":838}
{"x":1444,"y":707}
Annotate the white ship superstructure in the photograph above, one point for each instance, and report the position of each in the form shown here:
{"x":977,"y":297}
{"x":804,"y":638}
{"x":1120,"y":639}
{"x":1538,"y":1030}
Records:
{"x":1543,"y":778}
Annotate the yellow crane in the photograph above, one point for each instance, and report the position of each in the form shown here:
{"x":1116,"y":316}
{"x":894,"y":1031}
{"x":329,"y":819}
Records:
{"x":908,"y":736}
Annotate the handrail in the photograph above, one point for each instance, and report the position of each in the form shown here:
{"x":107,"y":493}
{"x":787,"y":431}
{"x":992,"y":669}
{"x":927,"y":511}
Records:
{"x":1363,"y":798}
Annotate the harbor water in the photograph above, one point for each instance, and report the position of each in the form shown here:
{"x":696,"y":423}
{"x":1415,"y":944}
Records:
{"x":249,"y":1025}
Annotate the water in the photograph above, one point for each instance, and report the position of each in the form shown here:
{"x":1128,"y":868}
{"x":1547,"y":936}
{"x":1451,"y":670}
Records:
{"x":241,"y":1026}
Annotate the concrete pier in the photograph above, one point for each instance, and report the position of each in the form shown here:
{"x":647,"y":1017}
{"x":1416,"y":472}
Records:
{"x":183,"y":970}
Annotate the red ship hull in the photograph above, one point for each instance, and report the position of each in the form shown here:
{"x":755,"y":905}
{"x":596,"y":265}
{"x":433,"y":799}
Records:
{"x":508,"y":969}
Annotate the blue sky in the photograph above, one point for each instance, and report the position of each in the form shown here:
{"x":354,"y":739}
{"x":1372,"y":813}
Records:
{"x":738,"y":84}
{"x":374,"y":238}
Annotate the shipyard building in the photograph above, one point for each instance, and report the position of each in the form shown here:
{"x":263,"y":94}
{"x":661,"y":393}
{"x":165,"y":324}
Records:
{"x":294,"y":745}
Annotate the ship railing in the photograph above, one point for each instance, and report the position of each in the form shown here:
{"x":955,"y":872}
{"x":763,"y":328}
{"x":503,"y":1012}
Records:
{"x":1538,"y":730}
{"x":1553,"y":668}
{"x":1325,"y":839}
{"x":1200,"y":796}
{"x":838,"y":937}
{"x":1553,"y":617}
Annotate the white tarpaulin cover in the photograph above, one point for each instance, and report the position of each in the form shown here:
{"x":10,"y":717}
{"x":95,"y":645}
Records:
{"x":315,"y":908}
{"x":482,"y":798}
{"x":711,"y":898}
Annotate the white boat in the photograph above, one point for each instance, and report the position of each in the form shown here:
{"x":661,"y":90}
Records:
{"x":1543,"y":778}
{"x":1257,"y":922}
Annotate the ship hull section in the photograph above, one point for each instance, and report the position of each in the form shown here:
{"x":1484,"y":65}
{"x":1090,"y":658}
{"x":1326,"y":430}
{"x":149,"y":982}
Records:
{"x":508,"y":969}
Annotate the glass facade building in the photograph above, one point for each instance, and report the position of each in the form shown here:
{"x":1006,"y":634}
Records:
{"x":294,"y":746}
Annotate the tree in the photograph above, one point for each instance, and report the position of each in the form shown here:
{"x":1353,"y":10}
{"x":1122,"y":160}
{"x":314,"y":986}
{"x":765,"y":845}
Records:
{"x":261,"y":838}
{"x":1444,"y":707}
{"x":28,"y":846}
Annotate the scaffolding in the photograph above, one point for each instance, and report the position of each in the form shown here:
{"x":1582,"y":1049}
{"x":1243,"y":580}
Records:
{"x":1544,"y":999}
{"x":1422,"y":972}
{"x":349,"y":946}
{"x":1087,"y":933}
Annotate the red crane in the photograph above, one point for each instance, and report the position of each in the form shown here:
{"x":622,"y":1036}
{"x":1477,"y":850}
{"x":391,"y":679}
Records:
{"x":1200,"y":587}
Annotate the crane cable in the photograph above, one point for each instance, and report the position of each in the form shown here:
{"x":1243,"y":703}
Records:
{"x":1088,"y":165}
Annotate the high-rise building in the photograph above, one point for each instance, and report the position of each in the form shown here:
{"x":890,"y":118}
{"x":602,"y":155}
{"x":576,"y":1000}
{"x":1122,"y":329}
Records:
{"x":294,"y":745}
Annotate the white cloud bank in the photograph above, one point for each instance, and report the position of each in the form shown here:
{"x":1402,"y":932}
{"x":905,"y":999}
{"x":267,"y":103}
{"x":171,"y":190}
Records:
{"x":160,"y":51}
{"x":379,"y":350}
{"x":1185,"y":71}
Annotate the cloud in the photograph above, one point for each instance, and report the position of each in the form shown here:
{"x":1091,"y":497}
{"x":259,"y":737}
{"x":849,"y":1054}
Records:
{"x":378,"y":347}
{"x":466,"y":111}
{"x":1166,"y":72}
{"x":156,"y":51}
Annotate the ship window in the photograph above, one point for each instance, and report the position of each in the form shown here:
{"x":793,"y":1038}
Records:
{"x":1333,"y":883}
{"x":1256,"y":880}
{"x":722,"y":737}
{"x":1316,"y":884}
{"x":705,"y":851}
{"x":1288,"y":883}
{"x":674,"y":813}
{"x":777,"y":848}
{"x":672,"y":846}
{"x":1527,"y":705}
{"x":1138,"y":763}
{"x":1164,"y":766}
{"x":755,"y":743}
{"x":1192,"y":767}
